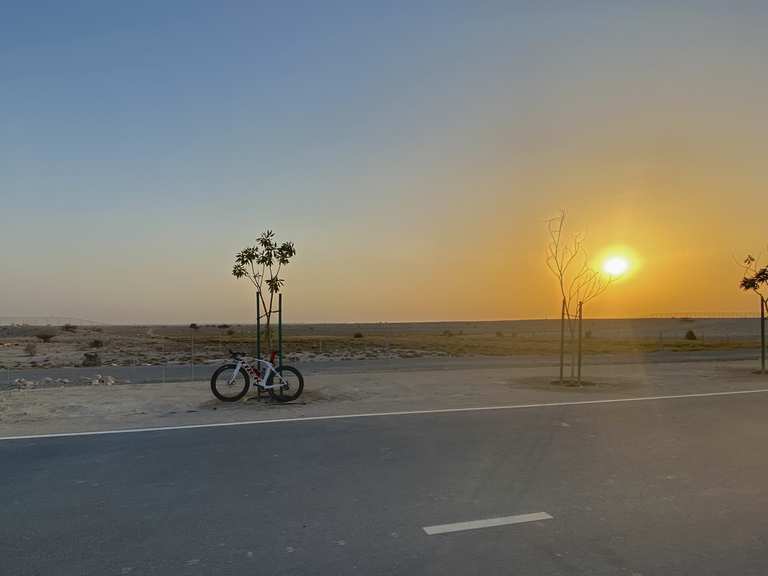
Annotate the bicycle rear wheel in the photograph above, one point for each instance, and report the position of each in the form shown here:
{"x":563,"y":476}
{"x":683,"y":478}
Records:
{"x":291,"y":386}
{"x":228,"y":386}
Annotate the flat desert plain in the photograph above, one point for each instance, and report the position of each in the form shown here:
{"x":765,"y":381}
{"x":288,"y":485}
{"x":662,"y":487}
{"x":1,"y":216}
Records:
{"x":361,"y":368}
{"x":43,"y":347}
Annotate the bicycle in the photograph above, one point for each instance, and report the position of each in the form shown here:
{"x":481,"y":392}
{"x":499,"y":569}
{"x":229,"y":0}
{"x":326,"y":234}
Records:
{"x":231,"y":381}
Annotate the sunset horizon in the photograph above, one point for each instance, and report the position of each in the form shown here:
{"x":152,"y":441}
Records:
{"x":432,"y":287}
{"x":413,"y":156}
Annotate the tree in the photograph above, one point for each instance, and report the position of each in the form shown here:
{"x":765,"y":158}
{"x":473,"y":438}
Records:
{"x":261,"y":264}
{"x":579,"y":283}
{"x":756,"y":279}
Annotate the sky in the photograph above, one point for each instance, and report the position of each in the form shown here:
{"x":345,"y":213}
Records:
{"x":412,"y":151}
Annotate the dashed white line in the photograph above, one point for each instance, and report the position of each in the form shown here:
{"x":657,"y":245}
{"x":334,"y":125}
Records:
{"x":375,"y":414}
{"x":486,"y":523}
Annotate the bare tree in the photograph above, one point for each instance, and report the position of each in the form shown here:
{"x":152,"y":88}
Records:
{"x":261,"y":264}
{"x":579,"y":283}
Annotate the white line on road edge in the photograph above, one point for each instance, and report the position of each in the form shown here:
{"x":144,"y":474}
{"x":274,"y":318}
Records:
{"x":371,"y":414}
{"x":487,"y":523}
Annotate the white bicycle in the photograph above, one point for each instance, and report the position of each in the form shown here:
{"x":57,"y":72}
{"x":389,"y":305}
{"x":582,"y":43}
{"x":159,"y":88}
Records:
{"x":231,"y":382}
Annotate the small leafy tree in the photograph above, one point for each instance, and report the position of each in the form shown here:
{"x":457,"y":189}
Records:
{"x":261,"y":264}
{"x":755,"y":279}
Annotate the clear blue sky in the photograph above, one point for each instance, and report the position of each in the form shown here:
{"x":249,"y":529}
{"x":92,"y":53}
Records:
{"x":143,"y":143}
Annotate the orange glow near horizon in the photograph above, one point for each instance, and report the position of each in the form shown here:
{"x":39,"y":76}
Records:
{"x":415,"y":188}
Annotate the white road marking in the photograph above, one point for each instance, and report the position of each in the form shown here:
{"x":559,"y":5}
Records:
{"x":487,"y":523}
{"x":373,"y":414}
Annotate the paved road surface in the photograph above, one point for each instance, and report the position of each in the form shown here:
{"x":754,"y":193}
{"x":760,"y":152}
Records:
{"x":651,"y":487}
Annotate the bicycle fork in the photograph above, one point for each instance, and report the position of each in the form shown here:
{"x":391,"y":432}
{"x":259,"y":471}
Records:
{"x":235,"y":373}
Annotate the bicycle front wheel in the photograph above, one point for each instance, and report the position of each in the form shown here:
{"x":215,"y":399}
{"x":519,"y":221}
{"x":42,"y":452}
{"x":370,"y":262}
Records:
{"x":228,"y":386}
{"x":290,"y":387}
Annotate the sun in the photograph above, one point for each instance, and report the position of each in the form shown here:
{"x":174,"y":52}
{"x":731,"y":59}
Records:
{"x":616,"y":266}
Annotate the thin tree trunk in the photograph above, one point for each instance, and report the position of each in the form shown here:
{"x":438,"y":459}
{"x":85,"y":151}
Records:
{"x":581,"y":307}
{"x":562,"y":340}
{"x":268,"y":333}
{"x":258,"y":325}
{"x":572,"y":346}
{"x":763,"y":306}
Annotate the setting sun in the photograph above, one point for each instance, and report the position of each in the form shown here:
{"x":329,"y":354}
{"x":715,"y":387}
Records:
{"x":616,"y":266}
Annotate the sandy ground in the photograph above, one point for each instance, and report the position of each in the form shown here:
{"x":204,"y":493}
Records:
{"x":120,"y":406}
{"x":51,"y":347}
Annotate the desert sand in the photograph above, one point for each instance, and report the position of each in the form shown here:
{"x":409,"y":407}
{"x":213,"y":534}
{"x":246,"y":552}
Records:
{"x":44,"y":347}
{"x":339,"y":390}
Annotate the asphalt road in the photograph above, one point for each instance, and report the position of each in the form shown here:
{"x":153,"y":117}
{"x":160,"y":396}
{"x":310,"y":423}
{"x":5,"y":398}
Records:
{"x":187,"y":372}
{"x":638,"y":488}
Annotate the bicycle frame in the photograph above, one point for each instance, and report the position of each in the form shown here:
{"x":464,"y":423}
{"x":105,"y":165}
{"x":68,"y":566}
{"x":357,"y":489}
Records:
{"x":255,"y":373}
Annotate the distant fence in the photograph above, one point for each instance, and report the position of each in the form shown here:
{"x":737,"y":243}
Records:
{"x":702,"y":315}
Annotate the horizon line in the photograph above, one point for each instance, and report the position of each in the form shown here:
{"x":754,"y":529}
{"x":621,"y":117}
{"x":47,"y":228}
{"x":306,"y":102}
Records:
{"x":33,"y":321}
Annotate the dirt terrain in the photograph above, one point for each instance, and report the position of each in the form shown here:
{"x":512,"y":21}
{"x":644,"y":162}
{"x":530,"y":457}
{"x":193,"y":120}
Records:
{"x":68,"y":346}
{"x":336,"y":389}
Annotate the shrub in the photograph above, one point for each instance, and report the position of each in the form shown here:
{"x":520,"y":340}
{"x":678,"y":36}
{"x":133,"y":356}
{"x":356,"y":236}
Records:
{"x":44,"y":337}
{"x":499,"y":334}
{"x":358,"y":335}
{"x":222,"y":326}
{"x":230,"y":332}
{"x":30,"y":349}
{"x":91,"y":359}
{"x":194,"y":326}
{"x":69,"y":328}
{"x":96,"y":343}
{"x":690,"y":335}
{"x":447,"y":333}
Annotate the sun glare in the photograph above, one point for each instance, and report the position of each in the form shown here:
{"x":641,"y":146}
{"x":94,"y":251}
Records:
{"x":616,"y":265}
